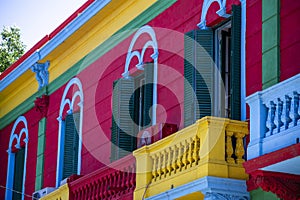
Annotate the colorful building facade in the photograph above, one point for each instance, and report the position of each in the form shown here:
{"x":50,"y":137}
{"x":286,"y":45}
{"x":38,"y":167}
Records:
{"x":148,"y":100}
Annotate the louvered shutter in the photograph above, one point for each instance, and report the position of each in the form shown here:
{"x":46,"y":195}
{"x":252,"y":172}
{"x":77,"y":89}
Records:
{"x":18,"y":174}
{"x":235,"y":69}
{"x":122,"y":135}
{"x":198,"y":73}
{"x":148,"y":94}
{"x":70,"y":164}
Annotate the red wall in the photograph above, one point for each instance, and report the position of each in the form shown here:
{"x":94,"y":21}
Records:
{"x":32,"y":118}
{"x":253,"y":47}
{"x":97,"y":80}
{"x":289,"y":38}
{"x":289,"y":42}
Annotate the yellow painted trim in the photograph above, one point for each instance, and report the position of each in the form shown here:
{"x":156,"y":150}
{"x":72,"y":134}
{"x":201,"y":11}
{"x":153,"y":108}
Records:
{"x":62,"y":193}
{"x":194,"y":152}
{"x":95,"y":32}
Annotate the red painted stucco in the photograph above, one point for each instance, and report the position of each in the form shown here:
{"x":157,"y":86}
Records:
{"x":289,"y":38}
{"x":97,"y":81}
{"x":32,"y":118}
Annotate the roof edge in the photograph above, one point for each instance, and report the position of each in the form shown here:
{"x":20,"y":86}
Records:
{"x":51,"y":41}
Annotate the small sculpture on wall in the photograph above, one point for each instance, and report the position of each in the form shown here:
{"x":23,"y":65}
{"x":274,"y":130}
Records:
{"x":42,"y":74}
{"x":41,"y":104}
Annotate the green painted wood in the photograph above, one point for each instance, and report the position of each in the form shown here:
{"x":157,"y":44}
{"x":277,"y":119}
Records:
{"x":18,"y":174}
{"x":198,"y":73}
{"x":120,"y":35}
{"x":270,"y":42}
{"x":122,"y":135}
{"x":235,"y":68}
{"x":148,"y":94}
{"x":189,"y":99}
{"x":71,"y":144}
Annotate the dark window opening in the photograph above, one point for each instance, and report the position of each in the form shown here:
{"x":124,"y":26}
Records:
{"x":18,"y":174}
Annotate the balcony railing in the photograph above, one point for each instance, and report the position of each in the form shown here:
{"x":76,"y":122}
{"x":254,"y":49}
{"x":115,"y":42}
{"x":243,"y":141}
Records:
{"x":62,"y":193}
{"x":274,"y":117}
{"x":116,"y":181}
{"x":210,"y":147}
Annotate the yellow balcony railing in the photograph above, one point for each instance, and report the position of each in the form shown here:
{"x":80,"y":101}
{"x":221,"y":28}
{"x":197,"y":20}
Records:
{"x":62,"y":193}
{"x":210,"y":147}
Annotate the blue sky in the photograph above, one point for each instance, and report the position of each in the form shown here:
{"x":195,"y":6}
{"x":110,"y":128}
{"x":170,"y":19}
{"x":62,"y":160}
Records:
{"x":36,"y":18}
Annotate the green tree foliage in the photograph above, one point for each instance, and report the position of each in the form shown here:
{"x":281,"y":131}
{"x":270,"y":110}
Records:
{"x":11,"y":46}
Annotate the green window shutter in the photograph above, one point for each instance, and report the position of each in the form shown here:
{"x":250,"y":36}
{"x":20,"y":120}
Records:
{"x":198,"y":73}
{"x":18,"y":174}
{"x":115,"y":118}
{"x":235,"y":69}
{"x":122,"y":123}
{"x":71,"y":145}
{"x":148,"y":94}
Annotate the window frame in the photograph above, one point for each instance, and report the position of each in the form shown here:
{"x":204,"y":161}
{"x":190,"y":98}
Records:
{"x":61,"y":130}
{"x":11,"y":156}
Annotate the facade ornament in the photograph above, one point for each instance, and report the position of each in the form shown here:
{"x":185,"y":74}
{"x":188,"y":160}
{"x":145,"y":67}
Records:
{"x":221,"y":196}
{"x":139,"y":55}
{"x":42,"y":74}
{"x":18,"y":139}
{"x":41,"y":104}
{"x":285,"y":186}
{"x":205,"y":6}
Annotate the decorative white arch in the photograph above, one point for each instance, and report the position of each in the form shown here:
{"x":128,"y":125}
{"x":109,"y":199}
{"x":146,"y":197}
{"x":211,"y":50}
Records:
{"x":61,"y":135}
{"x":205,"y":6}
{"x":140,"y":56}
{"x":11,"y":156}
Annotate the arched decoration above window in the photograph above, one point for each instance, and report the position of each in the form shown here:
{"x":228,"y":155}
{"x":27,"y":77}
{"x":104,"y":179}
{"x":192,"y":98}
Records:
{"x":68,"y":101}
{"x":205,"y":6}
{"x":140,"y":56}
{"x":17,"y":158}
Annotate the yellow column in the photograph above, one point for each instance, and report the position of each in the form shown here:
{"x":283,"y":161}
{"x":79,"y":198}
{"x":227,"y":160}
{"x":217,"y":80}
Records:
{"x":143,"y":171}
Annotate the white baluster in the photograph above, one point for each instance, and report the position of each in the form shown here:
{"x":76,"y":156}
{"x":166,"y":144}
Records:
{"x":278,"y":116}
{"x":295,"y":108}
{"x":270,"y":120}
{"x":286,"y":119}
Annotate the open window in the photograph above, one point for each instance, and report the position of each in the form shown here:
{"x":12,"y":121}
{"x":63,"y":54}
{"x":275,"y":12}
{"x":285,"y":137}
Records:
{"x":71,"y":144}
{"x":132,"y":110}
{"x":212,"y":71}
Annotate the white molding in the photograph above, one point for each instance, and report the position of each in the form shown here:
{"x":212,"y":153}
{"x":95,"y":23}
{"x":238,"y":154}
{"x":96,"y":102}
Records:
{"x":263,"y":138}
{"x":206,"y":5}
{"x":140,"y":56}
{"x":65,"y":33}
{"x":11,"y":156}
{"x":66,"y":101}
{"x":207,"y":185}
{"x":243,"y":60}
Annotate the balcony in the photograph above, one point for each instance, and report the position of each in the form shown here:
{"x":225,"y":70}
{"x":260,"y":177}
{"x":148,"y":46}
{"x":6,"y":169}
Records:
{"x":116,"y":181}
{"x":274,"y":118}
{"x":62,"y":193}
{"x":188,"y":163}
